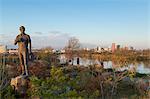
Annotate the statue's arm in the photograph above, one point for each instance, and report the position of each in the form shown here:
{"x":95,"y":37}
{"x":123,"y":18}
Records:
{"x":30,"y":45}
{"x":16,"y":40}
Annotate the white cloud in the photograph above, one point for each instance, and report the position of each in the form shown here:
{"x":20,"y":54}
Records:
{"x":55,"y":40}
{"x":6,"y":39}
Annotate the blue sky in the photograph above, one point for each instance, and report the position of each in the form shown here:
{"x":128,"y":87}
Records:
{"x":93,"y":22}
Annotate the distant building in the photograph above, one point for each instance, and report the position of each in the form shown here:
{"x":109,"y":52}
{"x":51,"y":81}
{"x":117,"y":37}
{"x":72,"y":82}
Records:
{"x":36,"y":50}
{"x":118,"y":47}
{"x":62,"y":51}
{"x":107,"y":49}
{"x":98,"y":49}
{"x":3,"y":49}
{"x":113,"y":47}
{"x":13,"y":51}
{"x":102,"y":49}
{"x":54,"y":51}
{"x":86,"y":49}
{"x":47,"y":50}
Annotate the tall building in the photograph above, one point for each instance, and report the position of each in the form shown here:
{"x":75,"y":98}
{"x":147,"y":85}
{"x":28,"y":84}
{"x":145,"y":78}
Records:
{"x":3,"y":49}
{"x":118,"y":47}
{"x":113,"y":47}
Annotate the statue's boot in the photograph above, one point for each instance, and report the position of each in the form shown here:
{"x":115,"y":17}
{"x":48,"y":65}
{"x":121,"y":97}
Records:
{"x":26,"y":70}
{"x":23,"y":70}
{"x":23,"y":73}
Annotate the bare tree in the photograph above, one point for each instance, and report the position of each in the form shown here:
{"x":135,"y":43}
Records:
{"x":72,"y":48}
{"x":73,"y":43}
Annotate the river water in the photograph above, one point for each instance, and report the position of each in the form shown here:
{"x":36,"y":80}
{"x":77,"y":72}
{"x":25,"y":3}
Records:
{"x":139,"y":67}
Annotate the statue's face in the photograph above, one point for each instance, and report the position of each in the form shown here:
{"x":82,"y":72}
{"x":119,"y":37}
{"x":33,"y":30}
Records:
{"x":22,"y":29}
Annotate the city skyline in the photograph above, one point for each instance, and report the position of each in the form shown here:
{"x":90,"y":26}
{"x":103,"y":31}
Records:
{"x":93,"y":22}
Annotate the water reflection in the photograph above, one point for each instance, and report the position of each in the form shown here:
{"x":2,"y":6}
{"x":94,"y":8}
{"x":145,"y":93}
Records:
{"x":135,"y":66}
{"x":142,"y":69}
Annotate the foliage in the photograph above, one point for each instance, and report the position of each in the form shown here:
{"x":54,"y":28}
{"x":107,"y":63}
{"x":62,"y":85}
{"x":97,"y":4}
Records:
{"x":78,"y":82}
{"x":74,"y":82}
{"x":60,"y":85}
{"x":57,"y":85}
{"x":3,"y":74}
{"x":7,"y":93}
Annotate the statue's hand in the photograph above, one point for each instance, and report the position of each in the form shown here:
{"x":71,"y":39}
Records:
{"x":20,"y":40}
{"x":30,"y":53}
{"x":15,"y":43}
{"x":30,"y":56}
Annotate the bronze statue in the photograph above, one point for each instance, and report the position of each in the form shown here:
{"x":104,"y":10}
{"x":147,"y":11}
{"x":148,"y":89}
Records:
{"x":23,"y":41}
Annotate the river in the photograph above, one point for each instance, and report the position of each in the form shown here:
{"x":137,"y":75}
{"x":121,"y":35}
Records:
{"x":139,"y":67}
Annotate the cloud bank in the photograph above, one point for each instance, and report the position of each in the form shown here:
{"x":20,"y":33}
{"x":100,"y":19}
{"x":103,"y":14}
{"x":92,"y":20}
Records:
{"x":55,"y":39}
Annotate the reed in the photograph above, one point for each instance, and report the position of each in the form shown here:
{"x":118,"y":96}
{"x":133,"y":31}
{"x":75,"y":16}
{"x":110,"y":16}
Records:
{"x":3,"y":73}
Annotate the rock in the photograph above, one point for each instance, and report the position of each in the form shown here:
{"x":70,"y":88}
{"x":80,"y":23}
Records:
{"x":20,"y":84}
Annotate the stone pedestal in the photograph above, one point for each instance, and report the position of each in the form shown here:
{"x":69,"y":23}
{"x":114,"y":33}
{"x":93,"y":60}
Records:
{"x":20,"y":84}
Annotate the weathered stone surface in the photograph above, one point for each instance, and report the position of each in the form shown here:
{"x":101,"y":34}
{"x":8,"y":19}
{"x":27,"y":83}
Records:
{"x":20,"y":84}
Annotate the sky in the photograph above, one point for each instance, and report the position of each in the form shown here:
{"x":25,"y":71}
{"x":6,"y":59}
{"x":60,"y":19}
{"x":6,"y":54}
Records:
{"x":93,"y":22}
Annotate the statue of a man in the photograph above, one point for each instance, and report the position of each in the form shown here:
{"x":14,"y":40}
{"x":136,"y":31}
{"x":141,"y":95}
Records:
{"x":23,"y":41}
